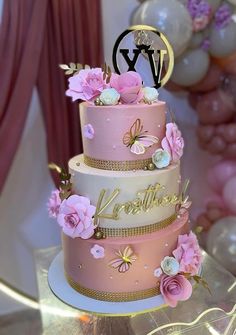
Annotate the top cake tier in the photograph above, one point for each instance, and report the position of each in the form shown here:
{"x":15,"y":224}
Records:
{"x":109,"y":133}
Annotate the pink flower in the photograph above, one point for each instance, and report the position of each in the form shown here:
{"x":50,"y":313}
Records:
{"x":188,"y":253}
{"x":128,"y":85}
{"x":88,"y":131}
{"x":173,"y":142}
{"x":97,"y":251}
{"x":54,"y":203}
{"x":175,"y":288}
{"x":75,"y":217}
{"x":200,"y":23}
{"x":86,"y":85}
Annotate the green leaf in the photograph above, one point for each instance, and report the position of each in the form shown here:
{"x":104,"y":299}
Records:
{"x":69,"y":72}
{"x":64,"y":66}
{"x":72,"y":66}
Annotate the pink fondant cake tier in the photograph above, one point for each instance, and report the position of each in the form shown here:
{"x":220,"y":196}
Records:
{"x":97,"y":279}
{"x":110,"y":123}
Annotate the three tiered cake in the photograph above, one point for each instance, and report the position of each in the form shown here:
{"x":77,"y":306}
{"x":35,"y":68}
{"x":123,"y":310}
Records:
{"x":123,"y":212}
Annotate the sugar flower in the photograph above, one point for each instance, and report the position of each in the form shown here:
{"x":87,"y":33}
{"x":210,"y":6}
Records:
{"x":97,"y":251}
{"x":75,"y":217}
{"x":188,"y":253}
{"x":128,"y":85}
{"x":157,"y":272}
{"x":200,"y":11}
{"x":150,"y":94}
{"x":173,"y":142}
{"x":88,"y":131}
{"x":170,"y":266}
{"x":109,"y":96}
{"x":175,"y":288}
{"x":54,"y":203}
{"x":161,"y":158}
{"x":86,"y":85}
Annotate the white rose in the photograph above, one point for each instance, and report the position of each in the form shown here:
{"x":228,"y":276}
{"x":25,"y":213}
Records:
{"x":170,"y":266}
{"x":109,"y":96}
{"x":150,"y":94}
{"x":161,"y":158}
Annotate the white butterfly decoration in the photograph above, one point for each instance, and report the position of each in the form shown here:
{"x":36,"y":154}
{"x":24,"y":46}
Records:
{"x":124,"y":261}
{"x":137,"y":139}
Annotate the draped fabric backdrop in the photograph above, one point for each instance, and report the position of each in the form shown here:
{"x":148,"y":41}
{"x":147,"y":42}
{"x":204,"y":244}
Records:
{"x":35,"y":37}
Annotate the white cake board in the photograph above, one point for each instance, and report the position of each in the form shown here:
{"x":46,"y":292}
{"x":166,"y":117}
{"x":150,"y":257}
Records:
{"x":61,"y":288}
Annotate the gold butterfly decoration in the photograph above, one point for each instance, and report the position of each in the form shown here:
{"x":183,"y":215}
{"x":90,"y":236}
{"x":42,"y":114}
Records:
{"x":65,"y":186}
{"x":137,"y":139}
{"x":124,"y":261}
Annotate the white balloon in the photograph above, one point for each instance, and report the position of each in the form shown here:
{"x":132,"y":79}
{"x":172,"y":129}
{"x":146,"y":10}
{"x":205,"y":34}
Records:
{"x":170,"y":17}
{"x":221,"y":242}
{"x":214,"y":4}
{"x":196,"y":40}
{"x":233,"y":2}
{"x":191,"y":67}
{"x":223,"y":41}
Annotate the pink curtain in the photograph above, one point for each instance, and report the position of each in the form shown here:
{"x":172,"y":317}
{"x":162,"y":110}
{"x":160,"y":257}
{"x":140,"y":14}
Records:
{"x":35,"y":37}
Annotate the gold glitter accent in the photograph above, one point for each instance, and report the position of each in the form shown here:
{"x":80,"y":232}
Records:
{"x":117,"y":165}
{"x":126,"y":232}
{"x":113,"y":296}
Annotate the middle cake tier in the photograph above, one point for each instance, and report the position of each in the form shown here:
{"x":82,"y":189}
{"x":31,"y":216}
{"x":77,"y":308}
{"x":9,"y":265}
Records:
{"x":128,"y":202}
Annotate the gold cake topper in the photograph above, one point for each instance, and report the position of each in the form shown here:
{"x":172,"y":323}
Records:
{"x":151,"y":44}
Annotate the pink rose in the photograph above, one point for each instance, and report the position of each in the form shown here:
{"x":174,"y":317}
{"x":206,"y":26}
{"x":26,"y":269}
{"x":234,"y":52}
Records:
{"x":188,"y":253}
{"x":86,"y":85}
{"x":175,"y":288}
{"x":173,"y":142}
{"x":128,"y":85}
{"x":75,"y":217}
{"x":54,"y":203}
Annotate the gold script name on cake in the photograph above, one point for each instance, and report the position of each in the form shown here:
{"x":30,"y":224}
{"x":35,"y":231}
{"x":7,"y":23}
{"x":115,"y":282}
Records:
{"x":145,"y":200}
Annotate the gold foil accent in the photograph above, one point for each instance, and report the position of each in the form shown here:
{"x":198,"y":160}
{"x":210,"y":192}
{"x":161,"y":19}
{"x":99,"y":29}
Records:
{"x":135,"y":231}
{"x":113,"y":296}
{"x":116,"y":165}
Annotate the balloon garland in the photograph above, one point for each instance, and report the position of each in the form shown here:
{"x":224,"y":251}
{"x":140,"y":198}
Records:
{"x":203,"y":36}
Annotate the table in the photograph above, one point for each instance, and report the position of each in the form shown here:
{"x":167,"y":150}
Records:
{"x":202,"y":314}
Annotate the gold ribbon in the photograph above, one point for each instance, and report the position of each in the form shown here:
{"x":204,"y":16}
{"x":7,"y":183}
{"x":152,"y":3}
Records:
{"x":113,"y":296}
{"x":116,"y":165}
{"x":126,"y":232}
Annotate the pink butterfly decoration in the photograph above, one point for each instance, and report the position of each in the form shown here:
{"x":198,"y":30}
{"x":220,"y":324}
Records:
{"x":137,"y":139}
{"x":124,"y":261}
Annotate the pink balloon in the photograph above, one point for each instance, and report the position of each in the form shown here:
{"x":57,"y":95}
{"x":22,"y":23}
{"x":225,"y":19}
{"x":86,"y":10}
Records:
{"x":229,"y":194}
{"x":215,"y":108}
{"x":217,"y":145}
{"x":193,"y":99}
{"x":220,"y":173}
{"x":205,"y":133}
{"x":230,"y":133}
{"x":211,"y":81}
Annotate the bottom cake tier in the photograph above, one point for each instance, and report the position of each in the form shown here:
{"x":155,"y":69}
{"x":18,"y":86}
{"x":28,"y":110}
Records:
{"x":120,"y":269}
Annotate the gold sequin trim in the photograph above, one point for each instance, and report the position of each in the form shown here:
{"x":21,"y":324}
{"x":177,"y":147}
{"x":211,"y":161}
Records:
{"x":126,"y":232}
{"x":113,"y":296}
{"x":117,"y":165}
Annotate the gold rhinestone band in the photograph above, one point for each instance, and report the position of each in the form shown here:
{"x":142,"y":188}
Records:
{"x":113,"y":296}
{"x":126,"y":232}
{"x":117,"y":165}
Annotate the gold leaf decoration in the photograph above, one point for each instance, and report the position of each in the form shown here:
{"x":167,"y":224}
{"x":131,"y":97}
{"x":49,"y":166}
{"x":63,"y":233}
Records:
{"x":73,"y":68}
{"x":65,"y":186}
{"x":106,"y":72}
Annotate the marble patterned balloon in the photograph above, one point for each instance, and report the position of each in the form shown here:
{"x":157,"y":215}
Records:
{"x":221,"y":242}
{"x":170,"y":17}
{"x":191,"y":67}
{"x":223,"y":41}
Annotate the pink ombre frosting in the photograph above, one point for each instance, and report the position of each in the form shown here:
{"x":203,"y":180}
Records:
{"x":110,"y":123}
{"x":96,"y":274}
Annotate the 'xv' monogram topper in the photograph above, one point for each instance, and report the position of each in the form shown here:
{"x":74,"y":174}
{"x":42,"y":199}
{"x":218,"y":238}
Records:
{"x":151,"y":46}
